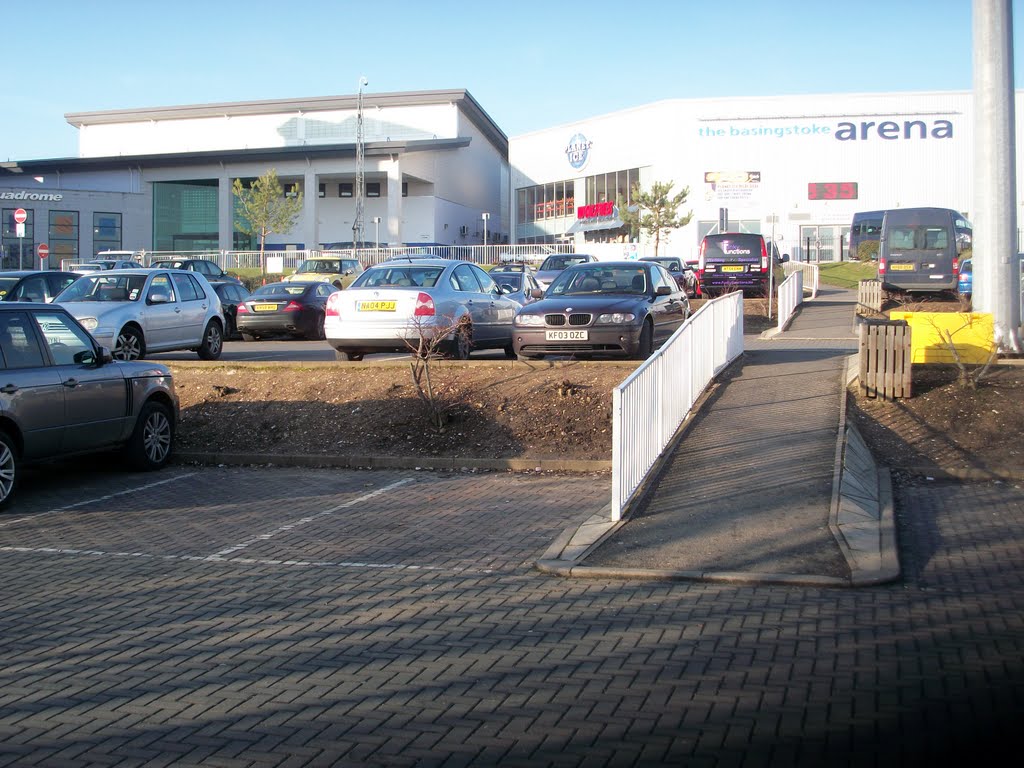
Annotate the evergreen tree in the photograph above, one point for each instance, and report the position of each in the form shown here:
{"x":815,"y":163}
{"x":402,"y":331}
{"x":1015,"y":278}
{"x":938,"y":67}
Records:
{"x":658,"y":210}
{"x":263,"y":209}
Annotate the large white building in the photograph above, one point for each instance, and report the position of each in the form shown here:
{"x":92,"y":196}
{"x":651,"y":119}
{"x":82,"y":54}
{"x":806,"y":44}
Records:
{"x":793,"y":167}
{"x":796,"y":167}
{"x":161,"y":179}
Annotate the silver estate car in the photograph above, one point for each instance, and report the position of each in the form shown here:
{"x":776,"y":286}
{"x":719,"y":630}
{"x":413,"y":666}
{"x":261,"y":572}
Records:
{"x":393,"y":304}
{"x":62,"y":394}
{"x":137,"y":311}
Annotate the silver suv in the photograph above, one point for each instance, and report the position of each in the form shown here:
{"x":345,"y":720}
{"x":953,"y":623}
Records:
{"x":62,"y":394}
{"x":137,"y":311}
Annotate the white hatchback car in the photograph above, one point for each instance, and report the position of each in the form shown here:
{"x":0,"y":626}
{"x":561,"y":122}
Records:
{"x":137,"y":311}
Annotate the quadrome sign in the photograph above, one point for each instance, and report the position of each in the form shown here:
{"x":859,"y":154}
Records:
{"x":45,"y":197}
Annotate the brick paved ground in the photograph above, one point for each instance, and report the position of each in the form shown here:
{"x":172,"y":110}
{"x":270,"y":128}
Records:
{"x":230,"y":617}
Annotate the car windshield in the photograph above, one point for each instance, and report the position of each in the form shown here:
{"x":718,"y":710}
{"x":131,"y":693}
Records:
{"x":283,"y":290}
{"x":672,"y":265}
{"x":627,"y":279}
{"x":552,"y":263}
{"x":106,"y":287}
{"x":405,"y":275}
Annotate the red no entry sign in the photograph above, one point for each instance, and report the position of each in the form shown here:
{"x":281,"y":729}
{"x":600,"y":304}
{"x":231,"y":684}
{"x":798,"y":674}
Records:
{"x":20,"y":216}
{"x":44,"y":251}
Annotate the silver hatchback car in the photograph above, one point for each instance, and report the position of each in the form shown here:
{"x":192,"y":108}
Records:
{"x":137,"y":311}
{"x":61,"y":394}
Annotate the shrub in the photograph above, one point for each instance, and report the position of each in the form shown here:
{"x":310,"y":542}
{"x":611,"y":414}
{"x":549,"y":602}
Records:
{"x":867,"y":250}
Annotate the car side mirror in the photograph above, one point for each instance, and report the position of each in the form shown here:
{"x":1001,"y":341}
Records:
{"x":536,"y":293}
{"x":158,"y":297}
{"x":506,"y":288}
{"x":85,"y":357}
{"x":663,"y":290}
{"x":784,"y":259}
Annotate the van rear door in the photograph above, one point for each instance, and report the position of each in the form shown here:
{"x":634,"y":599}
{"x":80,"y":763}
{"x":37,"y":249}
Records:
{"x":918,"y":250}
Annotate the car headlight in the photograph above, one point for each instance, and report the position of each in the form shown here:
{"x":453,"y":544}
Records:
{"x":617,"y":318}
{"x":89,"y":323}
{"x":529,"y":320}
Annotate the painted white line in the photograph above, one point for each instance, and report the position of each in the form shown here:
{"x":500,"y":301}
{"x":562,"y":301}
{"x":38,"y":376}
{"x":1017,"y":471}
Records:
{"x":134,"y":489}
{"x":242,"y":560}
{"x":305,"y":520}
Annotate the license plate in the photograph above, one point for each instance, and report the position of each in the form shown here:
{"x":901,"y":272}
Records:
{"x":565,"y":335}
{"x":264,"y":307}
{"x":733,"y":269}
{"x":901,"y":267}
{"x":376,"y":306}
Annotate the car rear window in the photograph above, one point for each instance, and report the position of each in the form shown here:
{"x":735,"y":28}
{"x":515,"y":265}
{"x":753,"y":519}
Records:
{"x":399,"y":277}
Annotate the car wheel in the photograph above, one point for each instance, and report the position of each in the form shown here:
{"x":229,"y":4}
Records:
{"x":646,"y":344}
{"x":9,"y":468}
{"x":510,"y":352}
{"x":462,"y":343}
{"x":150,"y":445}
{"x":213,"y":342}
{"x":317,"y":334}
{"x":129,"y":344}
{"x":229,"y":328}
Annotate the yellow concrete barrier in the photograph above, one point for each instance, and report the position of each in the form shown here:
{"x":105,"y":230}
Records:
{"x":972,"y":333}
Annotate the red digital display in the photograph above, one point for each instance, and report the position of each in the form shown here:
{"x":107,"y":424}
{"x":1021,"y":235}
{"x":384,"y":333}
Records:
{"x":832,"y":190}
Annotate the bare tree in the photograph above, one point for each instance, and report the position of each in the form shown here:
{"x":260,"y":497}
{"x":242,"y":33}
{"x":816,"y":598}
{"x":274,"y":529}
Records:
{"x":427,"y":344}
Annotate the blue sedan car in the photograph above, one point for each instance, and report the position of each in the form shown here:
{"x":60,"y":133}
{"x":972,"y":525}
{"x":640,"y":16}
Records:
{"x":965,"y":281}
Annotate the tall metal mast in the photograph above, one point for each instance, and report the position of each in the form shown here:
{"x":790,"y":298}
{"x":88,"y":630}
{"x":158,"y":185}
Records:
{"x":357,"y":223}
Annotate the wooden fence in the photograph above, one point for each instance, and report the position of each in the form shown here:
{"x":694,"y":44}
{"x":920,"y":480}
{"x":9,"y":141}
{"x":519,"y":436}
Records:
{"x":885,"y":367}
{"x":869,"y":294}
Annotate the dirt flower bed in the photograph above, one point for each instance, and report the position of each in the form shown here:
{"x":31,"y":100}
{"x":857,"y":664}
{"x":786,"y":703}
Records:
{"x":493,"y":410}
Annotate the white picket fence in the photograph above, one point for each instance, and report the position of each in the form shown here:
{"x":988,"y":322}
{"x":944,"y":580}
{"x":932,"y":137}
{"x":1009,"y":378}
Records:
{"x":649,"y":406}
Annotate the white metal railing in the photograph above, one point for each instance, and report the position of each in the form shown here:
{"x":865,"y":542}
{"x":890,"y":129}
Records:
{"x":290,"y":259}
{"x":649,"y":406}
{"x":791,"y":294}
{"x":810,"y":272}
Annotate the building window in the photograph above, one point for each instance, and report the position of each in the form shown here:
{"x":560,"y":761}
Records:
{"x":63,"y":235}
{"x":345,"y":189}
{"x":322,"y":191}
{"x":185,"y":215}
{"x":106,"y":232}
{"x":373,"y":189}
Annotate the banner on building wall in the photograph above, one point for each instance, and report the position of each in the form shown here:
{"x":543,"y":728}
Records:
{"x":724,"y":187}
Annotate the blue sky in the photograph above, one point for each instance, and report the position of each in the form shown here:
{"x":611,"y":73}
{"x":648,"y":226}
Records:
{"x":530,"y":65}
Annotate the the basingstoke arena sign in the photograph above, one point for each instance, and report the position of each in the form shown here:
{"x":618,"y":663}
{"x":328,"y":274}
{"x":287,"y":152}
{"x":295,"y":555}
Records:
{"x":863,"y":130}
{"x":45,"y":197}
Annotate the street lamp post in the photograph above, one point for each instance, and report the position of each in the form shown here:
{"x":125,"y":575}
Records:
{"x":485,"y":216}
{"x":376,"y":231}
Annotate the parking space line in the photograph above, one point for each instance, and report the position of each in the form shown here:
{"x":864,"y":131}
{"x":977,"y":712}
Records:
{"x":305,"y":520}
{"x":134,"y":489}
{"x":242,"y":560}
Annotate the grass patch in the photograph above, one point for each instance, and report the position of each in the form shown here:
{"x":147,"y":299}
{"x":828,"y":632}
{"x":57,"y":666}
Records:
{"x":847,"y":274}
